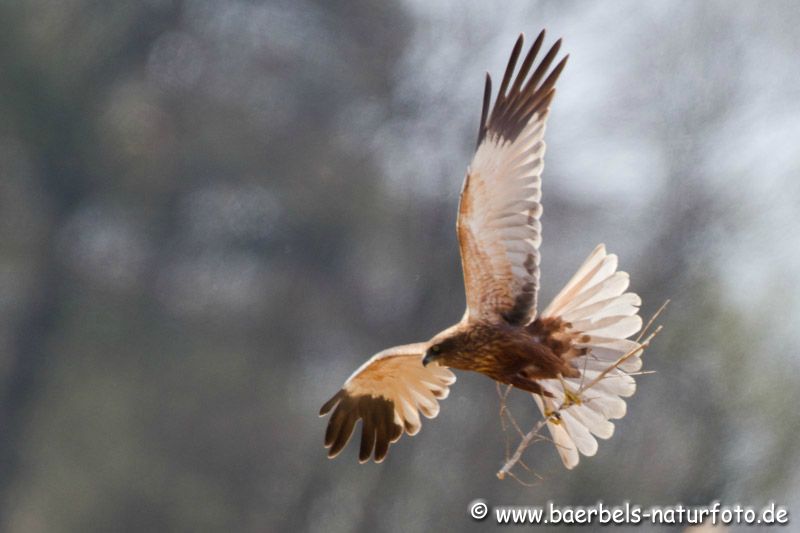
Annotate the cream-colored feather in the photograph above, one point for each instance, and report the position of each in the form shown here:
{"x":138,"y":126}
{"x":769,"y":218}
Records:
{"x":398,"y":377}
{"x":601,"y":316}
{"x":498,"y":225}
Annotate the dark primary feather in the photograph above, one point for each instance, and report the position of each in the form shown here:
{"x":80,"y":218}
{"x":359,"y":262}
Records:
{"x":513,"y":110}
{"x":487,"y":96}
{"x":378,"y":428}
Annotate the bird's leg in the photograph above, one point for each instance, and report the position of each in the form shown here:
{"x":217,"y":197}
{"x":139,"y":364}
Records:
{"x":570,"y":396}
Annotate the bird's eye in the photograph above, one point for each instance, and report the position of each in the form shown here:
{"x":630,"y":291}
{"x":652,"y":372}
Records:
{"x":436,"y":349}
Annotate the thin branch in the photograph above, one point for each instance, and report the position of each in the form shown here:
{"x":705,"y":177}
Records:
{"x":503,"y":424}
{"x":652,"y":319}
{"x":512,"y":474}
{"x":571,"y":396}
{"x":514,"y":423}
{"x":526,"y":441}
{"x":621,"y":360}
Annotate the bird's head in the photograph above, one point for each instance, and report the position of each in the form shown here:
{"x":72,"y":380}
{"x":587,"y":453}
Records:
{"x":433,"y":353}
{"x":442,"y":349}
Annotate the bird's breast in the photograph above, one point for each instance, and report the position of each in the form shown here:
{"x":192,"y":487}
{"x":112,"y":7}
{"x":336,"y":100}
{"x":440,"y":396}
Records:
{"x":496,"y":349}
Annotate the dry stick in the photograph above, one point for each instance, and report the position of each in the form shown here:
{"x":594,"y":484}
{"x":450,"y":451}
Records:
{"x":621,"y":360}
{"x":503,"y":419}
{"x":514,"y":423}
{"x":506,"y":412}
{"x":526,"y":467}
{"x":523,"y":483}
{"x":652,"y":319}
{"x":534,"y":432}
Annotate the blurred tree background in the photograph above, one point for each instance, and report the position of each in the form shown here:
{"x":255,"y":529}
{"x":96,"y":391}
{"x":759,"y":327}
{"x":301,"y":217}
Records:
{"x":212,"y":212}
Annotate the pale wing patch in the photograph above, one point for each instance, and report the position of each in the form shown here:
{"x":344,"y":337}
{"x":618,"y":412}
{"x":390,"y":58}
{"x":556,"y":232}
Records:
{"x":498,"y":217}
{"x":386,"y":393}
{"x":499,"y":228}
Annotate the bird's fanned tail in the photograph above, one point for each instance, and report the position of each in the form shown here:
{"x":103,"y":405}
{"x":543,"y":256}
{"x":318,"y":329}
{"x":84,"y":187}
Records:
{"x":600,"y":316}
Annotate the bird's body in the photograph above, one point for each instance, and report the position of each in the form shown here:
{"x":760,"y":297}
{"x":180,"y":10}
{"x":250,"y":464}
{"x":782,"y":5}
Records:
{"x":582,"y":335}
{"x":515,"y":355}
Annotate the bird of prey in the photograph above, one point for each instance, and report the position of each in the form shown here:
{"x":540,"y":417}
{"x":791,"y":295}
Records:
{"x":582,"y":333}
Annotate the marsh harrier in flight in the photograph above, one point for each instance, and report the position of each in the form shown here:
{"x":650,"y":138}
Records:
{"x":582,"y":333}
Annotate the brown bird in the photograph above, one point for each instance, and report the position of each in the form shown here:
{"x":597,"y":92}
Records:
{"x":581,"y":334}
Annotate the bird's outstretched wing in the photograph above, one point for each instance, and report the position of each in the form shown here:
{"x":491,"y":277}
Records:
{"x":387,"y":394}
{"x":498,"y":219}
